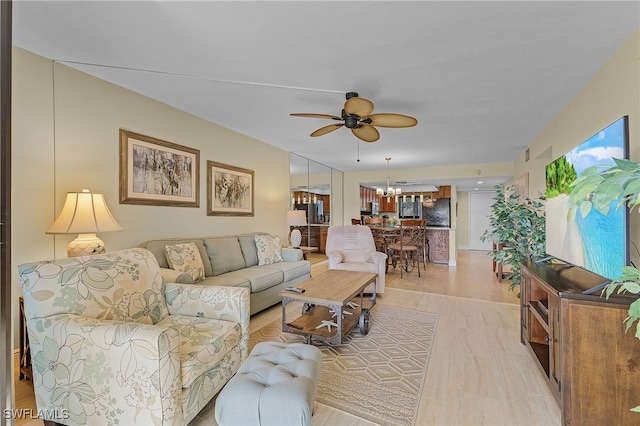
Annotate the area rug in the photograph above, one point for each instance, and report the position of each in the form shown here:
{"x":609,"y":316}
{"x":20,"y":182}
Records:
{"x":377,"y":377}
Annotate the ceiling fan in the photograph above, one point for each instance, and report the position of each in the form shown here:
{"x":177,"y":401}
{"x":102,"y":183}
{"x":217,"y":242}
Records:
{"x":356,"y":115}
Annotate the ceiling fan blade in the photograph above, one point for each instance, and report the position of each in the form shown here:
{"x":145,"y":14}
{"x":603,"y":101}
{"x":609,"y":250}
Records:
{"x":392,"y":120}
{"x":326,"y":129}
{"x":366,"y":133}
{"x":312,"y":115}
{"x":358,"y":106}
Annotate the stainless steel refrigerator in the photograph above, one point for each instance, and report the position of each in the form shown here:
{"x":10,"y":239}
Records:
{"x":314,"y":210}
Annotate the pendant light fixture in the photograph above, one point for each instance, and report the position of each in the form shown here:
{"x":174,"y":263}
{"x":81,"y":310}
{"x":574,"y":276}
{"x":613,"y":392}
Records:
{"x":390,"y":191}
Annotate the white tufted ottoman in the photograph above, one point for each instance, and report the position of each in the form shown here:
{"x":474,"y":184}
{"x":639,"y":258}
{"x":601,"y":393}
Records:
{"x":275,"y":385}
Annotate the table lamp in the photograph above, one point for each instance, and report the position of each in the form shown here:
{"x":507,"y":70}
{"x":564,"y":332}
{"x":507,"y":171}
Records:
{"x":85,"y":214}
{"x":296,"y":218}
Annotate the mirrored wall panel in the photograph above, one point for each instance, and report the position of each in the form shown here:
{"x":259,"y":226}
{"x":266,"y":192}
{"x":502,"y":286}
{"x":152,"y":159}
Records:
{"x":318,"y":190}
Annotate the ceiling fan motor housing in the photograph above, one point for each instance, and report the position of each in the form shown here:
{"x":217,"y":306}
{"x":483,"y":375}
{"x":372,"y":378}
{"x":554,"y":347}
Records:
{"x":351,"y":121}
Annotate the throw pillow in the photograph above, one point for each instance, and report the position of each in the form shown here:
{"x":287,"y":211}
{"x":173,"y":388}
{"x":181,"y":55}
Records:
{"x":186,"y":258}
{"x":269,"y":250}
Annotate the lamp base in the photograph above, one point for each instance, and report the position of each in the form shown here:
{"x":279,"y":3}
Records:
{"x":85,"y":245}
{"x":296,"y":238}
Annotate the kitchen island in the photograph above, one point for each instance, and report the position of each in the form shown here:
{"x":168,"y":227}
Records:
{"x":438,"y":244}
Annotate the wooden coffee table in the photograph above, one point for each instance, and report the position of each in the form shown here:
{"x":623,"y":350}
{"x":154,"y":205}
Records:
{"x":333,"y":304}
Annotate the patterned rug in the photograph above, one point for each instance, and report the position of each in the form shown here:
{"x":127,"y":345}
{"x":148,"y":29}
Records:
{"x":377,"y":377}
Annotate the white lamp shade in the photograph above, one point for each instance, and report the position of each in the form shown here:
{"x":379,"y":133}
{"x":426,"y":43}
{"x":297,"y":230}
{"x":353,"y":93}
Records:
{"x":296,"y":218}
{"x":84,"y":213}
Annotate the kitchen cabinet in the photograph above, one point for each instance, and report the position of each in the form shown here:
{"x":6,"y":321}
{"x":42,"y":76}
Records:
{"x":388,"y":204}
{"x":367,"y":196}
{"x":444,"y":191}
{"x":326,"y":206}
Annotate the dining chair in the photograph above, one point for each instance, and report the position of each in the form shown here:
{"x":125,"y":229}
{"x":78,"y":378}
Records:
{"x":378,"y":238}
{"x":420,"y":239}
{"x":404,"y":251}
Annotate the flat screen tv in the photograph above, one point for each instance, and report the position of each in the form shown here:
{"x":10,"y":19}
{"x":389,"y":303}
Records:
{"x":597,"y":242}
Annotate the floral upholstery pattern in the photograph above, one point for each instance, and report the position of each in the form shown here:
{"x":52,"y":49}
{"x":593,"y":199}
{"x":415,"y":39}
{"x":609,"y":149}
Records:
{"x":269,"y":250}
{"x":186,"y":258}
{"x":112,"y":344}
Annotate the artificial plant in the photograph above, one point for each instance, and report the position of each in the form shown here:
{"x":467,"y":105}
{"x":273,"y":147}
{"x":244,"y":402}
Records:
{"x":518,"y":224}
{"x":599,"y":187}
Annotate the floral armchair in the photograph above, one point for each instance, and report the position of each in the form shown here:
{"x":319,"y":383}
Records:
{"x":112,"y":344}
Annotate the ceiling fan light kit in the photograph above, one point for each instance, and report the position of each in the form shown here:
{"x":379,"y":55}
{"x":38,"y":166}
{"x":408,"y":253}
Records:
{"x":357,"y":116}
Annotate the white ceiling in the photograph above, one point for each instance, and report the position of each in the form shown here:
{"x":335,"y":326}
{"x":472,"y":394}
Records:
{"x":483,"y":79}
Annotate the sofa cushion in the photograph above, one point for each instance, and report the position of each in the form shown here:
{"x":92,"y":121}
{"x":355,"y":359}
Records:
{"x":350,"y":256}
{"x":269,"y":250}
{"x":225,"y":254}
{"x":186,"y":258}
{"x":249,"y":250}
{"x":225,"y":280}
{"x":260,"y":277}
{"x":204,"y":342}
{"x":358,"y":267}
{"x":157,"y":247}
{"x":292,"y":270}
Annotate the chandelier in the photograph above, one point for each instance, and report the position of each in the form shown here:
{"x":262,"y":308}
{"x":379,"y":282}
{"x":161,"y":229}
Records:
{"x":390,"y":191}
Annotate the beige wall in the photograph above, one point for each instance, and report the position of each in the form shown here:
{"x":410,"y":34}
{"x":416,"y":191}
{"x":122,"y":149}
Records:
{"x":612,"y":93}
{"x":462,"y":232}
{"x":78,"y":148}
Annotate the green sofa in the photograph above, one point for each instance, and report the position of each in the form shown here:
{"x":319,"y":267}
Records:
{"x":232,"y":261}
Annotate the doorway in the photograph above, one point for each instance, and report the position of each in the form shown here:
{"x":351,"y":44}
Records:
{"x":479,"y":211}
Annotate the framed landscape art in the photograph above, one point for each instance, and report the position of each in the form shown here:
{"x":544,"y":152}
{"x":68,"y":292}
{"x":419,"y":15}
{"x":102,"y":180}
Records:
{"x":157,"y":172}
{"x":229,"y":190}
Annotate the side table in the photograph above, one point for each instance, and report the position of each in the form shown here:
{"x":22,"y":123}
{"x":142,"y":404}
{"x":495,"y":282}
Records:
{"x":25,"y":351}
{"x":306,"y":250}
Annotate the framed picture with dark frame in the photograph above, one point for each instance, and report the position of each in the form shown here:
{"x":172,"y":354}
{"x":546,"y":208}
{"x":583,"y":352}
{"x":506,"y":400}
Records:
{"x":229,"y":190}
{"x":157,"y":172}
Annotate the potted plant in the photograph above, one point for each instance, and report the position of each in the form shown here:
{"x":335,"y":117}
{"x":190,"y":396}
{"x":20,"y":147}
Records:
{"x":519,"y":225}
{"x":597,"y":188}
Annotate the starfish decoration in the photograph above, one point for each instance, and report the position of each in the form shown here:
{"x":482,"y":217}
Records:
{"x":327,"y":324}
{"x":352,"y":305}
{"x":343,"y":313}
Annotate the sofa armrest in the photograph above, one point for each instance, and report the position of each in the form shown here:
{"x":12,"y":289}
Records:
{"x":173,"y":276}
{"x":102,"y":363}
{"x":378,"y":257}
{"x":210,"y":301}
{"x":291,"y":254}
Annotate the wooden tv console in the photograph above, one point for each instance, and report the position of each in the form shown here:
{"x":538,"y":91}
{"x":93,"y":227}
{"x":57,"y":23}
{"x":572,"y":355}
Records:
{"x":579,"y":342}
